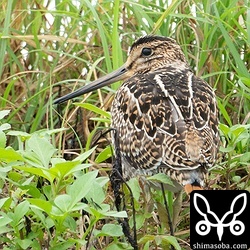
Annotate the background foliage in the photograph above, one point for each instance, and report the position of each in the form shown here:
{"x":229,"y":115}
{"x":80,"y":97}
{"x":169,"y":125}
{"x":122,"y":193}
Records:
{"x":47,"y":49}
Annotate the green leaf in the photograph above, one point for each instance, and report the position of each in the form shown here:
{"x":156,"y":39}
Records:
{"x":239,"y":133}
{"x":4,"y":230}
{"x":85,"y":155}
{"x":119,"y":246}
{"x":62,"y":169}
{"x":224,"y":128}
{"x":227,"y":149}
{"x":3,"y":139}
{"x":140,"y":219}
{"x":5,"y":126}
{"x":240,"y":68}
{"x":146,"y":238}
{"x":15,"y":176}
{"x":46,"y":132}
{"x":43,"y":205}
{"x":46,"y":173}
{"x":100,"y":119}
{"x":4,"y":201}
{"x":236,"y":179}
{"x":63,"y":245}
{"x":63,"y":202}
{"x":31,"y":190}
{"x":96,"y":194}
{"x":9,"y":154}
{"x":4,"y":42}
{"x":4,"y":219}
{"x":172,"y":240}
{"x":70,"y":223}
{"x":45,"y":220}
{"x":171,"y":9}
{"x":121,"y":214}
{"x":245,"y":158}
{"x":80,"y":206}
{"x":81,"y":187}
{"x":160,"y":177}
{"x":111,"y":230}
{"x":42,"y":148}
{"x":32,"y":159}
{"x":21,"y":134}
{"x":94,"y":109}
{"x":103,"y":210}
{"x":135,"y":187}
{"x":20,"y":210}
{"x":25,"y":243}
{"x":224,"y":112}
{"x":102,"y":180}
{"x":4,"y":113}
{"x":162,"y":214}
{"x":104,"y":155}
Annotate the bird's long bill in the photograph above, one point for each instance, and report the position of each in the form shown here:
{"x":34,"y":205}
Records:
{"x":115,"y":76}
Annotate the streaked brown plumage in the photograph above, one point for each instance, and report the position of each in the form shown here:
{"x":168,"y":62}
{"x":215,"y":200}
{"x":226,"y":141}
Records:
{"x":165,"y":116}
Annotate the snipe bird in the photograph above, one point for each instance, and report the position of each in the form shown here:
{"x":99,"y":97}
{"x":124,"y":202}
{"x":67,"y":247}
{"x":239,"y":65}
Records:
{"x":165,"y":117}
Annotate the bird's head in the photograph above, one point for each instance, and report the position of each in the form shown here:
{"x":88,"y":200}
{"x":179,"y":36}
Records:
{"x":150,"y":53}
{"x":147,"y":54}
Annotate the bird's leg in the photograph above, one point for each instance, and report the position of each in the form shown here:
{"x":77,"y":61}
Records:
{"x":116,"y":180}
{"x":133,"y":241}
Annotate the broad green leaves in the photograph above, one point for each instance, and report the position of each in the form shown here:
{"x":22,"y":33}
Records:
{"x":45,"y":184}
{"x":3,"y":127}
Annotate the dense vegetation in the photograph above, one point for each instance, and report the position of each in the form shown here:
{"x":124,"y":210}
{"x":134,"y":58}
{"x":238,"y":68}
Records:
{"x":54,"y":185}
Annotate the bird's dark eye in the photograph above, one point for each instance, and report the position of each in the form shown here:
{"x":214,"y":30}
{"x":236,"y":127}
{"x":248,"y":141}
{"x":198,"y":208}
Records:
{"x":146,"y":51}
